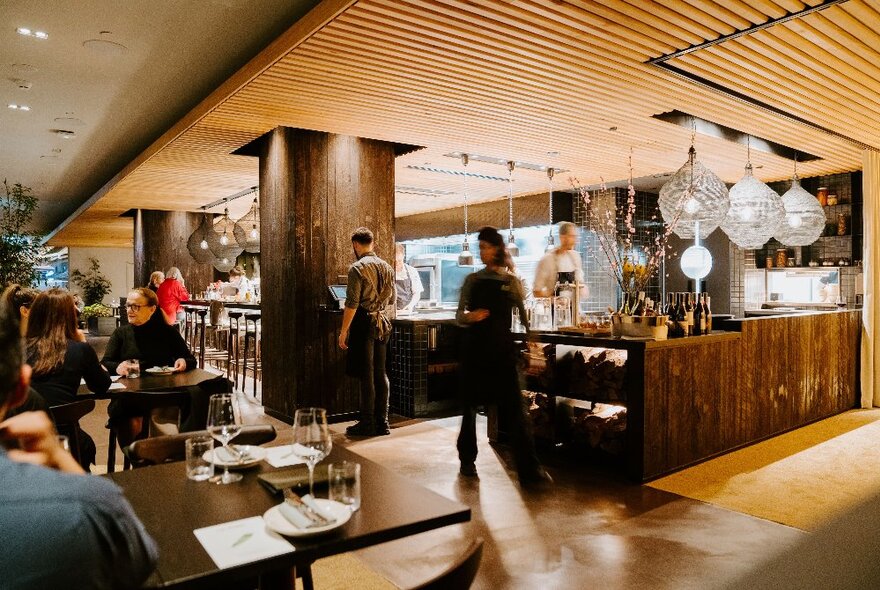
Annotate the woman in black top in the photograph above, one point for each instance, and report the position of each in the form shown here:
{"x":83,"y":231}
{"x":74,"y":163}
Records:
{"x":150,"y":340}
{"x":60,"y":358}
{"x":489,"y":357}
{"x":18,"y":301}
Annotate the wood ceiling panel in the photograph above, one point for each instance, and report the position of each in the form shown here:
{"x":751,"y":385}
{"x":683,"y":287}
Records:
{"x":519,"y":79}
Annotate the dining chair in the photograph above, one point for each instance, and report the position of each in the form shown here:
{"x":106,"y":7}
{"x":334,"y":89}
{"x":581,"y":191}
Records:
{"x":66,"y":418}
{"x":460,"y":575}
{"x":165,"y":449}
{"x":142,"y":403}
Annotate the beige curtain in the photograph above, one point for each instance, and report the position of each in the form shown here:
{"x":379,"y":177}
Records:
{"x":871,"y":262}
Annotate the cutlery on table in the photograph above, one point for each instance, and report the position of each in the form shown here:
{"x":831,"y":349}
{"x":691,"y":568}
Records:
{"x":317,"y":519}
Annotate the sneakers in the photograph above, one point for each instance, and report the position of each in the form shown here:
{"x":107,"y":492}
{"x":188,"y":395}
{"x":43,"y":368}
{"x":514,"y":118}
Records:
{"x":468,"y":470}
{"x":360,"y":429}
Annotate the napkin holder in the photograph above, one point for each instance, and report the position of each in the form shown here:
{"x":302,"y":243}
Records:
{"x":296,"y":477}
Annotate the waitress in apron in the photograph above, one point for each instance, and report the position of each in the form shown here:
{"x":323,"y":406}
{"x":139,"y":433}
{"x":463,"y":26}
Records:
{"x":406,"y":281}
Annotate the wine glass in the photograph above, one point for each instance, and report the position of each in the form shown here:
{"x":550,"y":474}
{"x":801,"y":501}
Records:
{"x":312,"y":436}
{"x":224,"y":424}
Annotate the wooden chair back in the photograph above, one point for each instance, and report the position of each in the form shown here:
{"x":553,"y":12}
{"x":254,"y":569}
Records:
{"x":66,"y":418}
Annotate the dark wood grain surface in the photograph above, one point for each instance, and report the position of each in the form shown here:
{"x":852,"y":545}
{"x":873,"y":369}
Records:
{"x":160,"y":243}
{"x":171,"y":507}
{"x":148,"y":382}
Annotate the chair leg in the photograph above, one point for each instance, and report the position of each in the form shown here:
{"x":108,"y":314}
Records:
{"x":111,"y":451}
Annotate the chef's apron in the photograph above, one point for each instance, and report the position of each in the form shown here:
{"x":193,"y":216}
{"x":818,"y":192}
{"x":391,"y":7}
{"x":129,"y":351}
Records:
{"x":404,"y":290}
{"x":562,"y":278}
{"x":358,"y":334}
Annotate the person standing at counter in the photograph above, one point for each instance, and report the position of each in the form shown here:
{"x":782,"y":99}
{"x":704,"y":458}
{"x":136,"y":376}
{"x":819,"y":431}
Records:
{"x":238,"y":281}
{"x":407,"y":283}
{"x":171,"y":294}
{"x":560,"y":265}
{"x":366,"y":329}
{"x":489,"y":355}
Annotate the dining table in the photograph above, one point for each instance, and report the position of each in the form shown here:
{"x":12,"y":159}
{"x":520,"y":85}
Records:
{"x":151,"y":382}
{"x":172,"y":507}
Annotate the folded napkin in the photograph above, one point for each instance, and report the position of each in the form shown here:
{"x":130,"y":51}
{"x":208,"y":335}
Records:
{"x":227,"y":456}
{"x":310,"y":502}
{"x":292,"y":477}
{"x":293,"y":513}
{"x":285,"y":455}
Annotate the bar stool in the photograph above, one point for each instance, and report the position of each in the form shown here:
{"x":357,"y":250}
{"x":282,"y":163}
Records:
{"x":199,"y":334}
{"x":188,"y":323}
{"x":232,"y":346}
{"x":248,"y":336}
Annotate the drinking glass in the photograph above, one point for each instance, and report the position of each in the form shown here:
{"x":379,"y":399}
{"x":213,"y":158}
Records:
{"x":311,"y":439}
{"x":224,"y":424}
{"x":134,"y":369}
{"x":345,"y":483}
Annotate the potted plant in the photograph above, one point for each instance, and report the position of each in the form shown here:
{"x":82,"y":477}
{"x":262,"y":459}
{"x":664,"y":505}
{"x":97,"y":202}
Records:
{"x":99,"y":319}
{"x":19,"y":249}
{"x":93,"y":283}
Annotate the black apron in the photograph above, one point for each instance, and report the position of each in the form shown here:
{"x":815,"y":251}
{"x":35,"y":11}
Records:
{"x":404,"y":290}
{"x":358,"y":334}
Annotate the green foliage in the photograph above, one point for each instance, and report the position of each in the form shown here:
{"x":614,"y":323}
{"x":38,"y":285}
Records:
{"x":92,"y":282}
{"x":98,"y":310}
{"x":19,"y":251}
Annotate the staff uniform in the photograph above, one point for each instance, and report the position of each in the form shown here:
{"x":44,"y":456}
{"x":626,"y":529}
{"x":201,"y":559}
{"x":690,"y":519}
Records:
{"x":370,"y":291}
{"x":408,"y":286}
{"x":558,"y":266}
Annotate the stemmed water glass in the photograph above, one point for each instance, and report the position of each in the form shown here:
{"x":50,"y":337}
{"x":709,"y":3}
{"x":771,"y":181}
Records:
{"x":224,"y":424}
{"x":311,"y":439}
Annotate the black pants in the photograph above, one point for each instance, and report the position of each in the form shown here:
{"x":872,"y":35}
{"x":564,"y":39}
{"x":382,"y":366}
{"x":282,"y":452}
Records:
{"x":375,"y":387}
{"x":513,"y":416}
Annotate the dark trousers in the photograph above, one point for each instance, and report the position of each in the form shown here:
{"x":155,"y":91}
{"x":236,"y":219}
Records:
{"x":513,"y":416}
{"x":375,"y":387}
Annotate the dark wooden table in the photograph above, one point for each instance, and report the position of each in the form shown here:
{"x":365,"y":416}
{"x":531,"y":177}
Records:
{"x":148,"y":382}
{"x":172,"y":507}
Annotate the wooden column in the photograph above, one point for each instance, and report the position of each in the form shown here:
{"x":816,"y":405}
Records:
{"x":160,"y":243}
{"x":315,"y":188}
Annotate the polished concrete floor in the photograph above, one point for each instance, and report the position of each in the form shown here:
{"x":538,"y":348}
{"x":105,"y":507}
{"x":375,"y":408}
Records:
{"x":593,"y":528}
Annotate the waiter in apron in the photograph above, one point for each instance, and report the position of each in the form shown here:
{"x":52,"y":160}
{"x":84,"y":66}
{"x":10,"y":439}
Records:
{"x":560,"y":265}
{"x":406,"y":282}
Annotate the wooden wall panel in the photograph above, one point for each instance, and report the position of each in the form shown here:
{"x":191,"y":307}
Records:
{"x":315,"y":189}
{"x":160,"y":243}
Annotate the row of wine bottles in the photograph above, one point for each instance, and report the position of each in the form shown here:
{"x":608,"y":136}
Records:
{"x":690,"y":314}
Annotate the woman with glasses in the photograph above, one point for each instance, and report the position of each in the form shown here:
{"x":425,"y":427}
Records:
{"x":60,"y":357}
{"x":150,"y":340}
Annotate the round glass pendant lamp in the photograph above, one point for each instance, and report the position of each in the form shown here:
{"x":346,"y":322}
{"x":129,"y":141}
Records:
{"x":225,"y":241}
{"x":755,"y":212}
{"x":512,"y":248}
{"x":198,"y":245}
{"x":804,"y":218}
{"x":694,"y":195}
{"x":466,"y":257}
{"x":249,"y":226}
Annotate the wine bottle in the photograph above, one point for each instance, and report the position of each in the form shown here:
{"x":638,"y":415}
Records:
{"x":699,"y":319}
{"x":708,"y":313}
{"x":680,"y":315}
{"x":689,"y":314}
{"x":639,"y":308}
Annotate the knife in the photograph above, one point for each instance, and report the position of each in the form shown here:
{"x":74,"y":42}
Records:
{"x":305,"y":509}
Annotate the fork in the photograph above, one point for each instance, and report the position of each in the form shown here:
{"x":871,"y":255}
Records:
{"x":305,"y":509}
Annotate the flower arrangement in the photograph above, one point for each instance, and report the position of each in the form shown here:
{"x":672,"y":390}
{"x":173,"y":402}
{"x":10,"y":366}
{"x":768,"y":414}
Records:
{"x":630,"y":262}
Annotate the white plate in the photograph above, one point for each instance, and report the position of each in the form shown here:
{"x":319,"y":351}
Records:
{"x":275,"y":521}
{"x":159,"y":370}
{"x":253,"y":456}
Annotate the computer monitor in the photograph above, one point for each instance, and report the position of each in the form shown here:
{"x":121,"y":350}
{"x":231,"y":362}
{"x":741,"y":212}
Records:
{"x":337,"y":292}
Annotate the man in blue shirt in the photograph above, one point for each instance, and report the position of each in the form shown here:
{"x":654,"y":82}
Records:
{"x":61,"y":528}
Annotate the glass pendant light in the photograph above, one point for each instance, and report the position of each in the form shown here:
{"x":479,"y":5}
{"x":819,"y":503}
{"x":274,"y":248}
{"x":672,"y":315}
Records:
{"x":693,"y":194}
{"x":249,"y":226}
{"x":804,"y":218}
{"x":465,"y":258}
{"x":550,"y":244}
{"x":225,"y":240}
{"x":755,"y":210}
{"x":512,"y":248}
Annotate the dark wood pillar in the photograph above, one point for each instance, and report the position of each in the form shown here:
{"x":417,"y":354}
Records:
{"x":315,"y":188}
{"x":160,"y":242}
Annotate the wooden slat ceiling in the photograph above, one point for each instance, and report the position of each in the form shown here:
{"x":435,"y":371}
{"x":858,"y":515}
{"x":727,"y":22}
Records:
{"x":539,"y":81}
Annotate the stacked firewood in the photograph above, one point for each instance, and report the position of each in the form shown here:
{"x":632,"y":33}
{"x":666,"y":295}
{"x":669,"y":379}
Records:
{"x":602,"y":427}
{"x":597,"y":374}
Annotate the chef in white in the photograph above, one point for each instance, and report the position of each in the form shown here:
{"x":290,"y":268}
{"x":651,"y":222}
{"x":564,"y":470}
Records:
{"x":560,"y":265}
{"x":407,"y":282}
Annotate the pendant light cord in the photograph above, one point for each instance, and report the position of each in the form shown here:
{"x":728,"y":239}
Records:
{"x":510,"y":166}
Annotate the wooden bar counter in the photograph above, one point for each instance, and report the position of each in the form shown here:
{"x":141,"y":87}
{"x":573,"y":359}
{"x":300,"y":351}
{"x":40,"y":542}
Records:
{"x":689,"y":399}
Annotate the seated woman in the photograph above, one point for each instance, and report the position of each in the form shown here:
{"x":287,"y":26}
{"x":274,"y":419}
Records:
{"x":150,"y":340}
{"x":18,"y":300}
{"x":60,"y":358}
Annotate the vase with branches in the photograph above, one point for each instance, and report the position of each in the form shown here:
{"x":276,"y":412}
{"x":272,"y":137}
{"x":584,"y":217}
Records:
{"x":93,"y":283}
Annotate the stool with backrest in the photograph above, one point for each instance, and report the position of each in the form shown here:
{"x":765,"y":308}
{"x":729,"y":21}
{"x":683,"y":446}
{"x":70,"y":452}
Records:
{"x":218,"y":336}
{"x":187,"y":323}
{"x":164,"y":449}
{"x":251,"y":336}
{"x":202,"y":313}
{"x":232,"y":346}
{"x":67,"y":417}
{"x":142,"y":403}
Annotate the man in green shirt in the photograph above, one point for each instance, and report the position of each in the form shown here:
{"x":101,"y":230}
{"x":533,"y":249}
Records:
{"x":366,"y":329}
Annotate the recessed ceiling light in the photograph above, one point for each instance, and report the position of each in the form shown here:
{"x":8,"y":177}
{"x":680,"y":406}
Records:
{"x":23,"y":31}
{"x":105,"y":47}
{"x":64,"y":133}
{"x":41,"y":35}
{"x":18,"y":107}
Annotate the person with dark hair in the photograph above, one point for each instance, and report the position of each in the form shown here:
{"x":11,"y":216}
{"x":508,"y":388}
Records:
{"x":489,"y":358}
{"x":368,"y":296}
{"x":18,"y":301}
{"x":61,"y":528}
{"x":150,"y":340}
{"x":60,"y":358}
